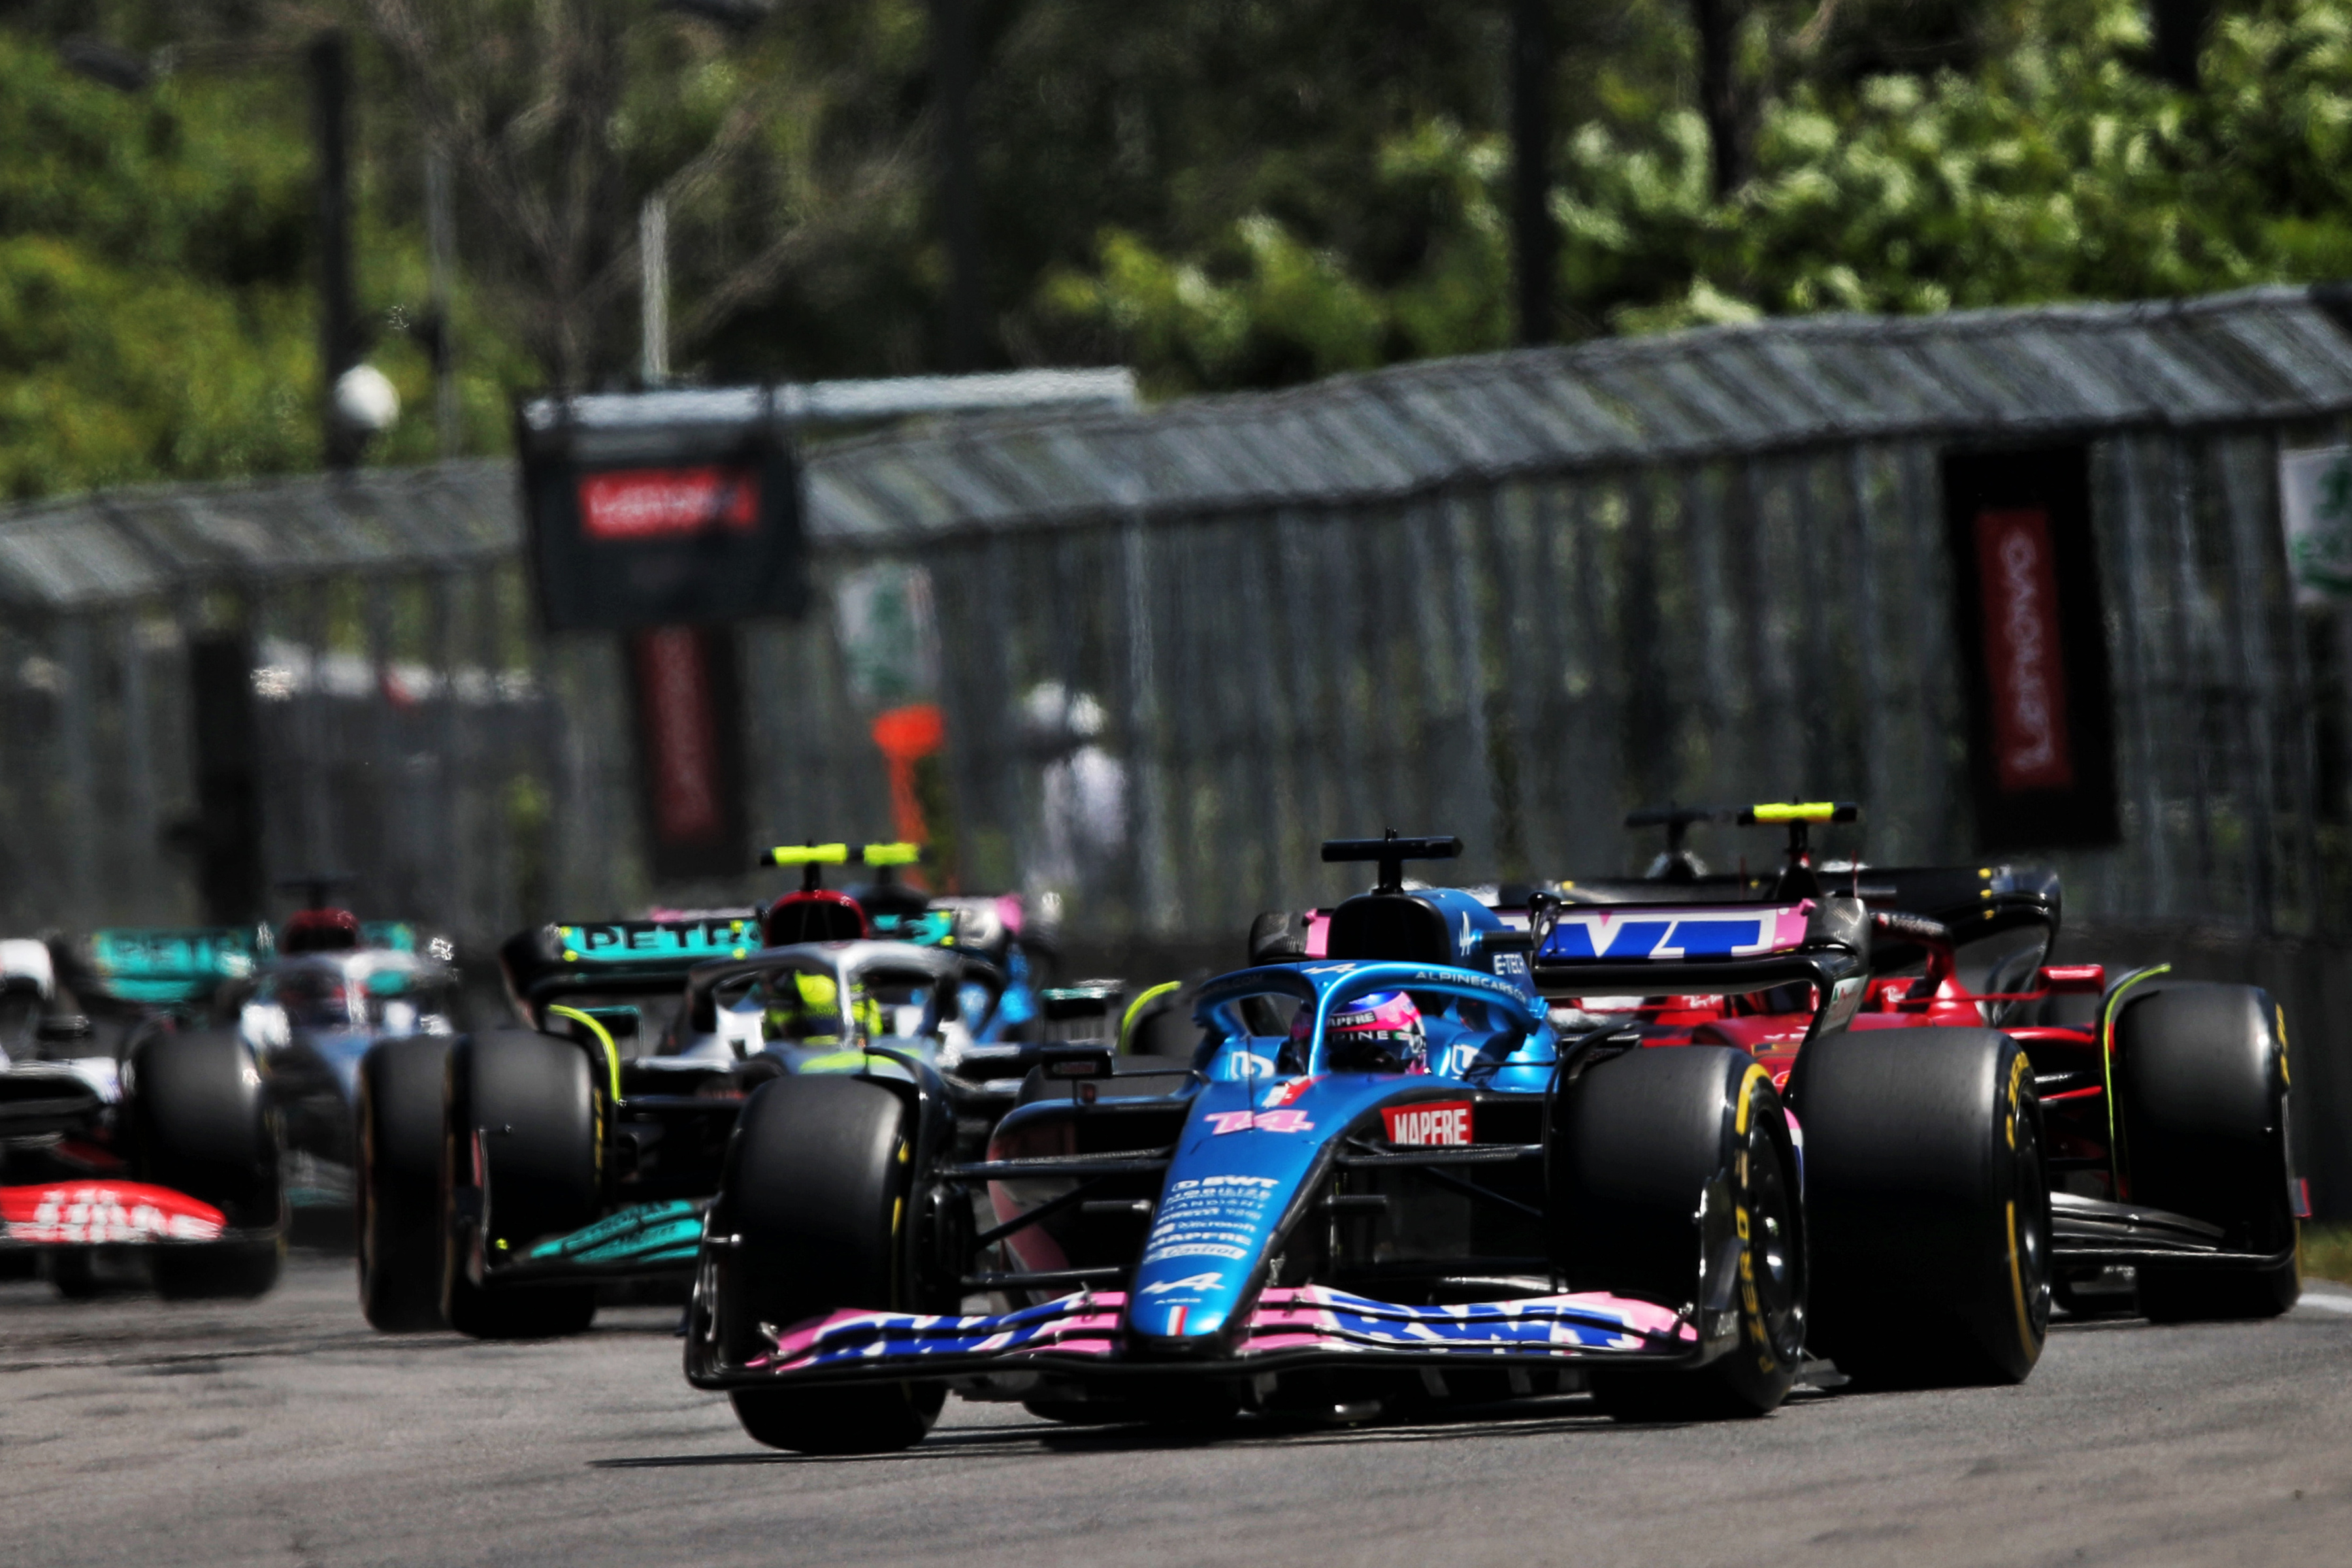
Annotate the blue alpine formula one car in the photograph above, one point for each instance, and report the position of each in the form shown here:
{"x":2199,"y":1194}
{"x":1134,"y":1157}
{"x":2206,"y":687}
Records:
{"x":1382,"y":1179}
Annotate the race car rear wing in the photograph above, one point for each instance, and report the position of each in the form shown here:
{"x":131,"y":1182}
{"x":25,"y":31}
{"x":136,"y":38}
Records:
{"x":1971,"y":902}
{"x":164,"y":966}
{"x":616,"y":958}
{"x":1676,"y":949}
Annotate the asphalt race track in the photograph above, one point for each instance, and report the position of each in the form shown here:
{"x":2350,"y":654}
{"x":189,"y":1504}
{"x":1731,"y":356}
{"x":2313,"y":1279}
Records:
{"x":283,"y":1431}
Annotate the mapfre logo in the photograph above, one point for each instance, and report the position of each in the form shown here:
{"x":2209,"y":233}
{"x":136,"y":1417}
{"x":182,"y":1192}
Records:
{"x":1431,"y":1122}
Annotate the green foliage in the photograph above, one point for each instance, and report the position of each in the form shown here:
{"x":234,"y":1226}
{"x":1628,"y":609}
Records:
{"x":151,"y":319}
{"x":1263,"y":307}
{"x":1222,"y":195}
{"x":2053,"y":170}
{"x":2327,"y":1252}
{"x":156,"y":311}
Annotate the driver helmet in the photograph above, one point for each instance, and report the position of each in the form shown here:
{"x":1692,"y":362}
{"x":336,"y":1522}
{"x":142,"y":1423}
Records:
{"x":809,"y":1013}
{"x":1380,"y":1032}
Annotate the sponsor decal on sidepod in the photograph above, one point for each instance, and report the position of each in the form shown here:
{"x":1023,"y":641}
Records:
{"x":1429,"y":1123}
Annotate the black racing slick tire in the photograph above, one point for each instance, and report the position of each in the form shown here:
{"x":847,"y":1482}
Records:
{"x":199,"y":1123}
{"x":1929,"y":1200}
{"x":1671,"y":1177}
{"x":2201,"y":1090}
{"x":525,"y":1107}
{"x":816,"y":1187}
{"x":399,"y":1187}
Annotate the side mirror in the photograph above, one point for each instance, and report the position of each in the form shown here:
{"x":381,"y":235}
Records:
{"x":2073,"y":979}
{"x":63,"y":1029}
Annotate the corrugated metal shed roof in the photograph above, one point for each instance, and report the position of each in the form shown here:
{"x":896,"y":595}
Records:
{"x":2259,"y":356}
{"x":152,"y":541}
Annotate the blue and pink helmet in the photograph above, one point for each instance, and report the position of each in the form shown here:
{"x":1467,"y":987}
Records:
{"x":1378,"y":1032}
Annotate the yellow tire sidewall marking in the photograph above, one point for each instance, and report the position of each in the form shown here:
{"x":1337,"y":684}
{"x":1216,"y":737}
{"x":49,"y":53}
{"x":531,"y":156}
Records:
{"x":1752,"y":1313}
{"x":2025,"y":1339}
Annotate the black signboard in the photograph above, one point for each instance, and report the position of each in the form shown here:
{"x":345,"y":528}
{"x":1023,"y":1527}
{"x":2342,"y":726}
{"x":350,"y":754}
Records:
{"x":661,"y":509}
{"x":2033,"y":647}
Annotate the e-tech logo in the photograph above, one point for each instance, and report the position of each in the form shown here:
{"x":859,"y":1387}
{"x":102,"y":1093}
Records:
{"x":1649,"y":937}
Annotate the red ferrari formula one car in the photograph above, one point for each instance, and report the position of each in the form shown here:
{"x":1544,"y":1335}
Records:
{"x":2164,"y":1102}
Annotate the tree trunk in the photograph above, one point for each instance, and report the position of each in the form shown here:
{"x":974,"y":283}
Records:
{"x":1719,"y":97}
{"x":1535,"y":245}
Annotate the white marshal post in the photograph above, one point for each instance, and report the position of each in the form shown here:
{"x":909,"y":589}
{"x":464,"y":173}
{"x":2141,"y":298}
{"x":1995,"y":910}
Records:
{"x":653,"y":249}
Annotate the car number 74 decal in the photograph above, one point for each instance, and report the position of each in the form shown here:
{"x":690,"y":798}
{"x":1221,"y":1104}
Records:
{"x":1263,"y":1121}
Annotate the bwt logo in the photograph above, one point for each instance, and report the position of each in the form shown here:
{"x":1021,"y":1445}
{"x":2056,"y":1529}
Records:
{"x":1637,"y":937}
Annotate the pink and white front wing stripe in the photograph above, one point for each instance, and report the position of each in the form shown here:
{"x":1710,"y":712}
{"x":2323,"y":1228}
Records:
{"x":1311,"y":1317}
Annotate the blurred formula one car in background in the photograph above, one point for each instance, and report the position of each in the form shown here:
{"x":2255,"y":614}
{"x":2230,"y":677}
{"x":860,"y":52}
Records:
{"x":28,"y":983}
{"x":1385,"y":1180}
{"x":154,"y":1143}
{"x":995,"y":930}
{"x":506,"y":1174}
{"x":335,"y":986}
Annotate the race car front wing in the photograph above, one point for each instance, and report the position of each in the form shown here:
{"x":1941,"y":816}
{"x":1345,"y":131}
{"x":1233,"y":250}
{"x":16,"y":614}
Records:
{"x":104,"y":1213}
{"x":2092,"y":1231}
{"x":1289,"y":1328}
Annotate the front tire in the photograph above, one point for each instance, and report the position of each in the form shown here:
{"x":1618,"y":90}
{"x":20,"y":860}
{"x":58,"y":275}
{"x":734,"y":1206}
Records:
{"x":817,"y":1186}
{"x":1644,"y":1149}
{"x":2202,"y":1087}
{"x":533,"y":1101}
{"x":1930,"y":1205}
{"x":199,"y":1124}
{"x":399,"y":1218}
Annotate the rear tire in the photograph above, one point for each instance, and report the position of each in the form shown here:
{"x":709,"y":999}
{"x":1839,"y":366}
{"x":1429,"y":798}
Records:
{"x":815,"y":1187}
{"x":1637,"y":1142}
{"x":199,"y":1124}
{"x":1929,"y":1200}
{"x":2202,"y":1092}
{"x":399,"y":1187}
{"x":537,"y":1097}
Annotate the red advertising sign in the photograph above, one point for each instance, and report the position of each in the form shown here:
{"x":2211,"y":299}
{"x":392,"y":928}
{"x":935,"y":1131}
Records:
{"x":2025,"y":664}
{"x":660,"y":503}
{"x":2030,"y":630}
{"x":681,"y":731}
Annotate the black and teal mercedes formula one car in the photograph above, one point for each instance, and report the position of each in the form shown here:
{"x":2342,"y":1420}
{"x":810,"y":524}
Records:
{"x":507,"y":1175}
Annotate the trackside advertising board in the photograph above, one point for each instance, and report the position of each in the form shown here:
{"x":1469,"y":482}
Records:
{"x":665,"y":509}
{"x":2033,"y":647}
